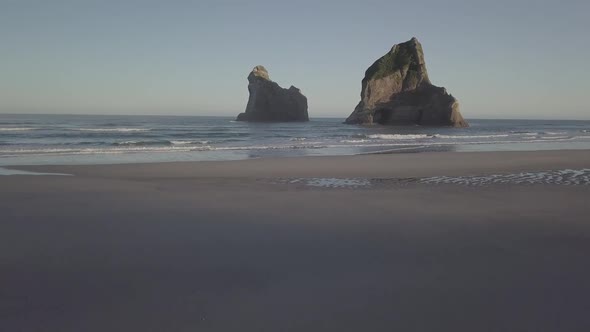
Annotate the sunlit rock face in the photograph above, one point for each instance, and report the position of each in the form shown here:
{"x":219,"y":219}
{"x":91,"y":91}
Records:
{"x":396,"y":90}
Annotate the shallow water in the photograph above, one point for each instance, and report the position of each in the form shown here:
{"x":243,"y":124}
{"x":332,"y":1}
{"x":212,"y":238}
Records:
{"x":566,"y":177}
{"x":69,"y":139}
{"x":6,"y":171}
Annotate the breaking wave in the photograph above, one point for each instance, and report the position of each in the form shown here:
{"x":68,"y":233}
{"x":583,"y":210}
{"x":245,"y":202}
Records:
{"x":355,"y":141}
{"x":197,"y":138}
{"x":399,"y":136}
{"x":135,"y":147}
{"x":16,"y":128}
{"x":470,"y":136}
{"x":158,"y":142}
{"x":110,"y":130}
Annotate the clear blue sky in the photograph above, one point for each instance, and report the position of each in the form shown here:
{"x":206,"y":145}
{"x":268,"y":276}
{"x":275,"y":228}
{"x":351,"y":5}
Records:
{"x":501,"y":59}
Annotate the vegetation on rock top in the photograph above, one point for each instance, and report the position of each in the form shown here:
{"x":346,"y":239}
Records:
{"x":397,"y":59}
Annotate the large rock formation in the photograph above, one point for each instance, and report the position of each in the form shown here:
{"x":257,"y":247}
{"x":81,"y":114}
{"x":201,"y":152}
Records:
{"x":396,"y":90}
{"x":269,"y":102}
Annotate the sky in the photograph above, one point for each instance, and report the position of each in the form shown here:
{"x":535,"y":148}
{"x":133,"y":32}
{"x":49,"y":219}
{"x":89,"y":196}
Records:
{"x":501,"y":59}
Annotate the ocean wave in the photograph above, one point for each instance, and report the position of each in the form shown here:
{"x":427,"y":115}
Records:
{"x":296,"y":139}
{"x":182,"y":142}
{"x":141,"y":143}
{"x":424,"y":136}
{"x":355,"y":141}
{"x":188,"y":142}
{"x":207,"y":135}
{"x":470,"y":136}
{"x":163,"y":146}
{"x":135,"y":148}
{"x":434,"y":143}
{"x":106,"y":130}
{"x":16,"y":128}
{"x":553,"y":132}
{"x":158,"y":142}
{"x":398,"y":136}
{"x":270,"y":147}
{"x":75,"y":151}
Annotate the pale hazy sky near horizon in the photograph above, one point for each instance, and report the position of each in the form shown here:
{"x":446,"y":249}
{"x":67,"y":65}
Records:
{"x":501,"y":59}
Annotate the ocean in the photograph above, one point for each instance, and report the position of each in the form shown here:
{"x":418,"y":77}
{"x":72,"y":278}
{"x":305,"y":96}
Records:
{"x":92,"y":139}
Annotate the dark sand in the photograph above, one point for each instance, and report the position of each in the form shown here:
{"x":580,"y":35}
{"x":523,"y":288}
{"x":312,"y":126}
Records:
{"x":210,"y":247}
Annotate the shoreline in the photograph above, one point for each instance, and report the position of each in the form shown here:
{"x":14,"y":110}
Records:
{"x":422,"y":164}
{"x":93,"y":140}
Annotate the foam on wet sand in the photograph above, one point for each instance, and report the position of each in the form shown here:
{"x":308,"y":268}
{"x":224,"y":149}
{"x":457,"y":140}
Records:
{"x":8,"y":171}
{"x":565,"y":177}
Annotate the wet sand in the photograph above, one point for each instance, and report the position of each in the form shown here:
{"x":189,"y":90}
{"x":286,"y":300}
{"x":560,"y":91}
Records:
{"x":221,"y":246}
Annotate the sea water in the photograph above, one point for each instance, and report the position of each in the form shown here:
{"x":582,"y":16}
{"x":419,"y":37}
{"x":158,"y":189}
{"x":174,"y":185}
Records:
{"x":86,"y":139}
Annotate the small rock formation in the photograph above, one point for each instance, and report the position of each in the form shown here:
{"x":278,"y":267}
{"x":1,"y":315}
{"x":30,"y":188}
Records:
{"x":269,"y":102}
{"x":396,"y":90}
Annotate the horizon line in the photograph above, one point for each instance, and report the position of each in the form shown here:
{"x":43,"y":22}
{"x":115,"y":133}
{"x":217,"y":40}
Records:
{"x":311,"y":117}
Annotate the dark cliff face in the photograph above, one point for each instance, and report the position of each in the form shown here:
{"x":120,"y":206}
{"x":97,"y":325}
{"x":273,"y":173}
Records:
{"x":396,"y":90}
{"x":268,"y":102}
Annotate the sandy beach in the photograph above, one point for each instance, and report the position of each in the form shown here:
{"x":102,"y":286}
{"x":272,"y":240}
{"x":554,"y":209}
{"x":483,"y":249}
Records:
{"x":251,"y":246}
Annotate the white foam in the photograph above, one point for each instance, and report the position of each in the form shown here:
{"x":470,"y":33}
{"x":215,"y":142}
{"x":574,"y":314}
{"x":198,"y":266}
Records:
{"x":399,"y":136}
{"x":564,"y":177}
{"x":181,"y":142}
{"x":188,"y":142}
{"x":202,"y":148}
{"x":114,"y":150}
{"x":137,"y":146}
{"x":16,"y":129}
{"x":468,"y":136}
{"x":127,"y":143}
{"x":155,"y":142}
{"x":273,"y":147}
{"x":106,"y":130}
{"x":355,"y":141}
{"x":131,"y":147}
